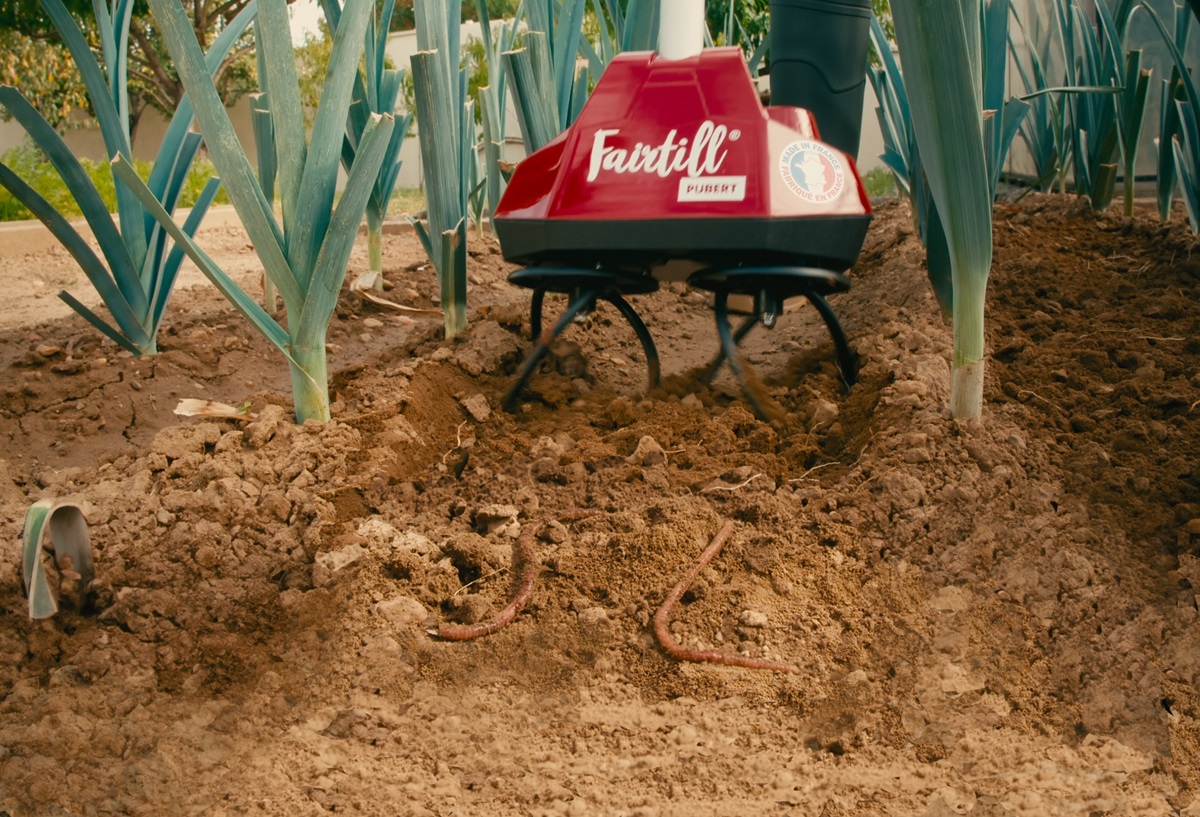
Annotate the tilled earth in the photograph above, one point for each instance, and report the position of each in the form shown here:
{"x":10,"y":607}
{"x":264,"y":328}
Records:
{"x":987,"y":618}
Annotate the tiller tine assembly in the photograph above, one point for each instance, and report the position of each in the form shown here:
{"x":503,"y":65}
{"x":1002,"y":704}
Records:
{"x":583,"y":288}
{"x":771,"y":287}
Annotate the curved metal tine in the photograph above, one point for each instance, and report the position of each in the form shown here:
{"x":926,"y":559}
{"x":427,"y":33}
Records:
{"x":585,"y":302}
{"x":642,"y":332}
{"x":721,"y":307}
{"x":847,"y":360}
{"x":707,"y":377}
{"x":535,"y":313}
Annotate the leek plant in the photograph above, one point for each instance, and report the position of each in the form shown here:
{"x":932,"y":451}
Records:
{"x":1131,"y":117}
{"x":493,"y":104}
{"x":1004,"y":115}
{"x":264,"y":145}
{"x":1001,"y":119}
{"x":903,"y":157}
{"x":376,"y":90}
{"x":446,"y":129}
{"x":634,"y":29}
{"x":1166,"y":179}
{"x":1107,"y":126}
{"x":1184,"y":144}
{"x":1169,"y":126}
{"x":306,"y":255}
{"x":941,"y":45}
{"x":1044,"y":130}
{"x":138,"y":272}
{"x":900,"y":152}
{"x":548,"y":90}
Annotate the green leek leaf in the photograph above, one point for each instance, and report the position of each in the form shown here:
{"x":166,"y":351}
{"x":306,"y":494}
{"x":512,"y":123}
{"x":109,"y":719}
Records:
{"x":244,"y":304}
{"x":330,"y":268}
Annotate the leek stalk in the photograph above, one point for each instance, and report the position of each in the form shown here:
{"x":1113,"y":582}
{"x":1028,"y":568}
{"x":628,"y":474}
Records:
{"x":60,"y":529}
{"x":1044,"y":128}
{"x":547,"y":87}
{"x":1106,"y":124}
{"x":1184,"y":144}
{"x":446,"y":130}
{"x":941,"y":49}
{"x":493,"y":101}
{"x":306,"y":256}
{"x":1131,"y":105}
{"x":1169,"y":125}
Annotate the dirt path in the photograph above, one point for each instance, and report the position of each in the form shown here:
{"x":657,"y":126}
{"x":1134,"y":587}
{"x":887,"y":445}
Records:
{"x":993,"y":618}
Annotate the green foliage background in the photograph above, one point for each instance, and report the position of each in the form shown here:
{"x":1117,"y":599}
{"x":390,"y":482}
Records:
{"x":32,"y":59}
{"x":46,"y":73}
{"x":30,"y":164}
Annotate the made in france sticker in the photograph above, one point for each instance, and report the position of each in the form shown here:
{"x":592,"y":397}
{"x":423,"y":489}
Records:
{"x":812,"y":171}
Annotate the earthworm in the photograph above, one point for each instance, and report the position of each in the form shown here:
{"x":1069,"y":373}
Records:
{"x":663,"y":617}
{"x":527,"y":566}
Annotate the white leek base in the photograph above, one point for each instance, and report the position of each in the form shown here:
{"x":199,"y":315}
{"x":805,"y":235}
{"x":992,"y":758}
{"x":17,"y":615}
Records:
{"x":966,"y":391}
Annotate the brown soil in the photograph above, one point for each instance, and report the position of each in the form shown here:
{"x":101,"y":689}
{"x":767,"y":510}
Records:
{"x":991,"y":618}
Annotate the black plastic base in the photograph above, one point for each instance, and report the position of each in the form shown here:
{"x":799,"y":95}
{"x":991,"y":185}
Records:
{"x":828,"y":242}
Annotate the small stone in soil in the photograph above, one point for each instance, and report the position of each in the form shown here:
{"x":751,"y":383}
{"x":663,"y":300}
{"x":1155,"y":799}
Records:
{"x":753,"y":618}
{"x":593,"y":615}
{"x":331,"y":562}
{"x":477,"y":406}
{"x":490,"y":518}
{"x":648,"y":453}
{"x":402,"y":612}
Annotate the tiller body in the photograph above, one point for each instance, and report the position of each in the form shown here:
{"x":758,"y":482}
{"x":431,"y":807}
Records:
{"x":674,"y":169}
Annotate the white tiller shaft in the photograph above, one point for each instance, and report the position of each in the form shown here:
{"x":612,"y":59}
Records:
{"x":680,"y":29}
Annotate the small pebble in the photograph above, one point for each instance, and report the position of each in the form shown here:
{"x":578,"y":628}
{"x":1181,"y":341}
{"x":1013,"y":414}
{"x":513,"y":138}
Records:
{"x":648,"y":453}
{"x":823,"y":413}
{"x":477,"y":406}
{"x":402,"y":612}
{"x":753,"y":618}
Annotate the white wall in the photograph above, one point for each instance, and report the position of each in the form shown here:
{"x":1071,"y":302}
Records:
{"x":88,"y":144}
{"x":870,"y":146}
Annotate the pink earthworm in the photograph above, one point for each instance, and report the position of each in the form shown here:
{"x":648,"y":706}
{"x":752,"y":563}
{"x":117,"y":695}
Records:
{"x":663,"y":617}
{"x":528,"y":567}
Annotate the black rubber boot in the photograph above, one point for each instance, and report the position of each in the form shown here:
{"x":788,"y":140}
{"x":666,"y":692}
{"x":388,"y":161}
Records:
{"x":819,"y":62}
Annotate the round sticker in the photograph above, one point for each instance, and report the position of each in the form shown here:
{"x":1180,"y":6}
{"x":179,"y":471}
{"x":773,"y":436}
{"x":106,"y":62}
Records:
{"x":812,"y":171}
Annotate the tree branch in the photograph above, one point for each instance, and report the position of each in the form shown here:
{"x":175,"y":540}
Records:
{"x":151,"y":93}
{"x":229,"y":9}
{"x":160,"y":79}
